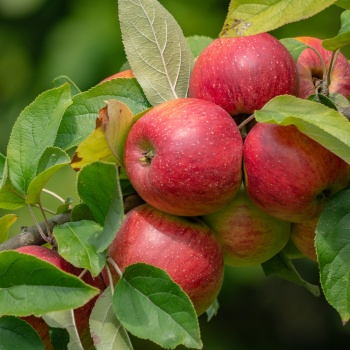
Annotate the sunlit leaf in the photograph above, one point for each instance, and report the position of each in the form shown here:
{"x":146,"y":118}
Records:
{"x":343,"y":37}
{"x":345,"y":4}
{"x":151,"y":306}
{"x":247,"y":17}
{"x":156,"y":49}
{"x":325,"y":125}
{"x":295,"y":47}
{"x":333,"y":251}
{"x":29,"y":285}
{"x":18,"y":334}
{"x":106,"y":330}
{"x":198,"y":43}
{"x":5,"y":224}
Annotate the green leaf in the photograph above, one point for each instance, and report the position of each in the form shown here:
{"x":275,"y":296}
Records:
{"x":65,"y":319}
{"x":324,"y":125}
{"x":50,"y":162}
{"x":345,"y":4}
{"x":248,"y":17}
{"x":5,"y":224}
{"x":59,"y":338}
{"x":96,"y":184}
{"x":82,"y":212}
{"x":280,"y":266}
{"x":80,"y":118}
{"x":333,"y":251}
{"x":29,"y":285}
{"x":198,"y":43}
{"x":18,"y":334}
{"x":343,"y":37}
{"x":320,"y":98}
{"x":106,"y":330}
{"x":212,"y":310}
{"x":35,"y":130}
{"x":156,"y":49}
{"x":295,"y":47}
{"x":3,"y":166}
{"x":77,"y":244}
{"x":74,"y":90}
{"x":151,"y":306}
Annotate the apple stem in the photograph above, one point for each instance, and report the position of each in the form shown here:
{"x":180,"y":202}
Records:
{"x":115,"y":266}
{"x":53,"y":194}
{"x":83,"y":273}
{"x":332,"y":64}
{"x":325,"y":83}
{"x":246,"y":121}
{"x":110,"y":279}
{"x":42,"y":234}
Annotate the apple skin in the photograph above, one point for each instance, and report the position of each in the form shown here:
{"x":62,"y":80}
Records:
{"x":248,"y":236}
{"x":184,"y":247}
{"x":310,"y":68}
{"x":127,"y":73}
{"x":241,"y":74}
{"x":303,"y":236}
{"x":184,"y":157}
{"x":81,"y":314}
{"x":288,"y":175}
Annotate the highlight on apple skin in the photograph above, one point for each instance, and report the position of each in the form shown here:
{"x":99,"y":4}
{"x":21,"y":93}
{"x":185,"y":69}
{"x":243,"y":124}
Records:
{"x":311,"y":70}
{"x":248,"y":235}
{"x":184,"y":157}
{"x":241,"y":74}
{"x":288,"y":175}
{"x":184,"y":247}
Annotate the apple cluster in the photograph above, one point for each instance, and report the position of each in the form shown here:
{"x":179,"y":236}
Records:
{"x":214,"y":195}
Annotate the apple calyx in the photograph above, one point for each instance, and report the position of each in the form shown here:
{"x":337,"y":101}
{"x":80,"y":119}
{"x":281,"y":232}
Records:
{"x":148,"y":156}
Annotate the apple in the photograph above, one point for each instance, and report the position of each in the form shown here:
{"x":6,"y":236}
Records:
{"x":248,"y":236}
{"x":241,"y":74}
{"x":127,"y":73}
{"x":288,"y":175}
{"x":303,"y":236}
{"x":184,"y":247}
{"x":311,"y":70}
{"x":184,"y":157}
{"x":81,"y":314}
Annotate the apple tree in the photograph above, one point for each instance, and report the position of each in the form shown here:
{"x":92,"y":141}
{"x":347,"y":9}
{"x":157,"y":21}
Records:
{"x":201,"y":153}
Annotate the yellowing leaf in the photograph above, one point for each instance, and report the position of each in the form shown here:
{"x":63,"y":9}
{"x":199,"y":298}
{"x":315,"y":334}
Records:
{"x":5,"y":223}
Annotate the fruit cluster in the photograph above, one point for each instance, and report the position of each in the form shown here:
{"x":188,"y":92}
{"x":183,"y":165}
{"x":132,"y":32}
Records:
{"x":214,"y":194}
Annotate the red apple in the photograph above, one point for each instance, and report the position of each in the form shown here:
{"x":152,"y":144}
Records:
{"x":311,"y":69}
{"x":184,"y":157}
{"x":303,"y":236}
{"x":184,"y":247}
{"x":248,"y":235}
{"x":81,"y":314}
{"x":241,"y":74}
{"x":289,"y":175}
{"x":128,"y":73}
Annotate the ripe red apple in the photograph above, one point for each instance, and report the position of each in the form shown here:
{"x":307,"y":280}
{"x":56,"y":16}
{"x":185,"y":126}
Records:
{"x":248,"y":235}
{"x":184,"y":157}
{"x":184,"y":247}
{"x":127,"y":73}
{"x":311,"y":70}
{"x":303,"y":236}
{"x":289,"y":175}
{"x":241,"y":74}
{"x":81,"y":314}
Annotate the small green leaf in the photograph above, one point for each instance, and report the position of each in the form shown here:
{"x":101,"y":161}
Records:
{"x":151,"y":306}
{"x":77,"y":244}
{"x":212,"y":310}
{"x":5,"y":224}
{"x":323,"y":99}
{"x":80,"y":118}
{"x":18,"y":334}
{"x":106,"y":330}
{"x":65,"y":319}
{"x":343,"y":37}
{"x":280,"y":266}
{"x":29,"y":285}
{"x":324,"y":125}
{"x":198,"y":43}
{"x":35,"y":130}
{"x":295,"y":47}
{"x":333,"y":251}
{"x":96,"y":184}
{"x":74,"y":90}
{"x":50,"y":162}
{"x":247,"y":17}
{"x":156,"y":49}
{"x":82,"y":212}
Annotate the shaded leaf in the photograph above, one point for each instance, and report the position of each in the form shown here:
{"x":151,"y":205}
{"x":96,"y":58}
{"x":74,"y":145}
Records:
{"x":198,"y":43}
{"x":247,"y":17}
{"x":77,"y":244}
{"x":151,"y":306}
{"x":333,"y":251}
{"x":295,"y":47}
{"x":18,"y":334}
{"x":156,"y":49}
{"x":343,"y":37}
{"x":5,"y":224}
{"x":106,"y":330}
{"x":29,"y":285}
{"x":82,"y":212}
{"x":325,"y":125}
{"x":323,"y":99}
{"x":343,"y":3}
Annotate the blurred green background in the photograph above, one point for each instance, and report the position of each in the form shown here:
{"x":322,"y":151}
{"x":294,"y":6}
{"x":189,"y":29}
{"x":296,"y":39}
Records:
{"x":42,"y":39}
